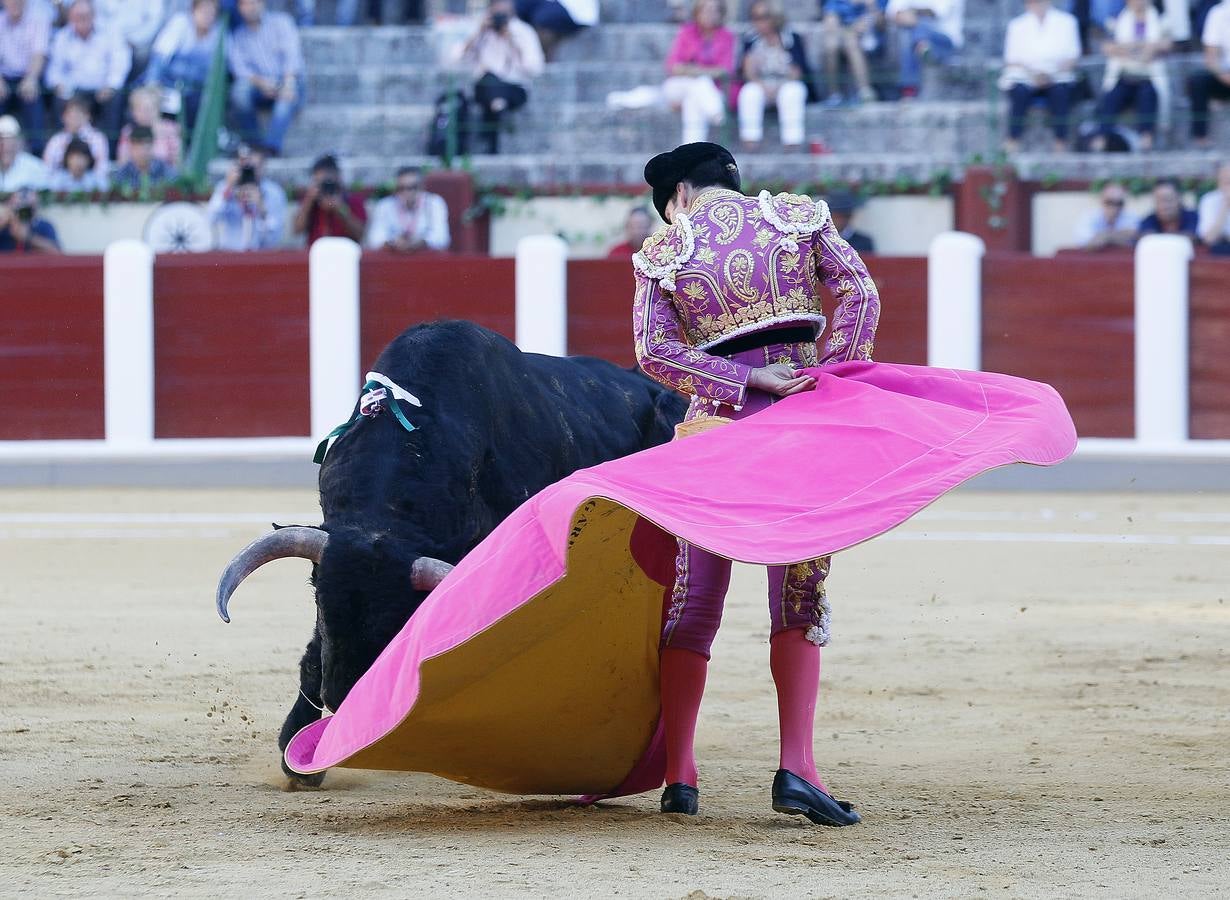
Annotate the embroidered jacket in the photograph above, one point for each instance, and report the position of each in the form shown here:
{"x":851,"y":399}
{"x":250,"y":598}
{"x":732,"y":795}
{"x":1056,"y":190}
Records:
{"x":735,"y":265}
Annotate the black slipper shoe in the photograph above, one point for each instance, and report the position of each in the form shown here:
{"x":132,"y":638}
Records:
{"x":680,"y":798}
{"x":796,"y":796}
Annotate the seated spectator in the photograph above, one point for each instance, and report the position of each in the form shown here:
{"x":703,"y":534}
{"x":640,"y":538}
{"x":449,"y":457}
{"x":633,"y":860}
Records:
{"x":1041,"y":48}
{"x":702,"y":55}
{"x":1111,"y":225}
{"x":248,"y":210}
{"x":145,"y":111}
{"x":637,"y":227}
{"x":505,"y":54}
{"x":18,"y":169}
{"x":555,"y":20}
{"x":25,"y":36}
{"x":775,"y":72}
{"x":1213,"y":81}
{"x":927,"y":31}
{"x":1213,"y":227}
{"x":266,"y":61}
{"x":842,"y":206}
{"x":346,"y":12}
{"x":326,"y":210}
{"x":77,"y":127}
{"x":412,"y":219}
{"x":1169,"y":215}
{"x":183,"y":53}
{"x":136,"y":21}
{"x":850,"y":27}
{"x":1135,"y":74}
{"x":85,"y":59}
{"x":144,"y":169}
{"x":79,"y":174}
{"x":22,"y":230}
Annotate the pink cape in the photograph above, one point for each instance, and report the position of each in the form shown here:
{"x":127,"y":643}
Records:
{"x":533,"y":667}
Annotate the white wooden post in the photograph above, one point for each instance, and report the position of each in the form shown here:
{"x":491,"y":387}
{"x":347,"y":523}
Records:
{"x":128,"y":344}
{"x":1162,"y":369}
{"x":954,"y":301}
{"x":333,"y":298}
{"x":542,"y":295}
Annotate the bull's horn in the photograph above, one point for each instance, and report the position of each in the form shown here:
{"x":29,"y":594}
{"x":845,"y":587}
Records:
{"x":427,"y":573}
{"x":299,"y":541}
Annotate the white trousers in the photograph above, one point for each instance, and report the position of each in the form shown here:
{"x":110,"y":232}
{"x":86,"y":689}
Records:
{"x":700,"y":102}
{"x":791,"y":102}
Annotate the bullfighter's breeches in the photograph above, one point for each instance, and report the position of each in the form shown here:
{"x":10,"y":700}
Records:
{"x":796,"y":592}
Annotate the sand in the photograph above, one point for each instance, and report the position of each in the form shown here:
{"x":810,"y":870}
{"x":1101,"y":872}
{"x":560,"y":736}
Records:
{"x":1027,"y":695}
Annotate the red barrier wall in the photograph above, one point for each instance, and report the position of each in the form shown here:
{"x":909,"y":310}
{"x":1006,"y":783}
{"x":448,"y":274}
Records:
{"x":399,"y":291}
{"x":902,"y":334}
{"x":1209,"y":390}
{"x":231,"y":345}
{"x":1067,"y":321}
{"x":51,"y":348}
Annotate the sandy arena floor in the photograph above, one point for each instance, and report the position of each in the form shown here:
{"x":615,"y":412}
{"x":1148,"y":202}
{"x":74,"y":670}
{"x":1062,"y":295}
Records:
{"x":1027,"y":695}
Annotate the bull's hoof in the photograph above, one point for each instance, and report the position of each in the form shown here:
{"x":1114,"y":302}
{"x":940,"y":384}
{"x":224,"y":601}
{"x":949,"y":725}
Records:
{"x":297,"y":782}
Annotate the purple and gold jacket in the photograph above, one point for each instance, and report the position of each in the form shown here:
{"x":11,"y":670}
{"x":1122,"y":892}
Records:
{"x":734,"y":265}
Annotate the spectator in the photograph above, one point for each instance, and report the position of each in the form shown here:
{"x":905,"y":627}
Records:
{"x":1110,"y":226}
{"x":637,"y":227}
{"x":136,"y":21}
{"x":1169,"y":215}
{"x":326,"y":210}
{"x":702,"y":55}
{"x":1135,"y":74}
{"x":80,"y":173}
{"x":412,"y":219}
{"x":927,"y":31}
{"x":18,"y":169}
{"x":505,"y":54}
{"x":555,"y":20}
{"x":77,"y":127}
{"x":25,"y":35}
{"x":248,"y":210}
{"x":1213,"y":228}
{"x":22,"y":230}
{"x":1213,"y":81}
{"x":850,"y":27}
{"x":1041,"y":48}
{"x":775,"y":72}
{"x":144,"y":169}
{"x":183,"y":54}
{"x":145,"y":110}
{"x":267,"y":63}
{"x":842,"y":206}
{"x":86,"y":59}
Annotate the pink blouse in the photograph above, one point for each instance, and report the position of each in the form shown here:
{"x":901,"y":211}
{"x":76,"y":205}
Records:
{"x":691,"y":47}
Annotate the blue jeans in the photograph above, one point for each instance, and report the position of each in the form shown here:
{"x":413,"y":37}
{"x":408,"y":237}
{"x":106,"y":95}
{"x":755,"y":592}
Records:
{"x":31,"y":114}
{"x":347,"y":12}
{"x":941,"y":50}
{"x":246,"y":101}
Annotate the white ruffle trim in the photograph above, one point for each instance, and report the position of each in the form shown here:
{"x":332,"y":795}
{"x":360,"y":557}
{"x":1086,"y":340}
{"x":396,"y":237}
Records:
{"x":792,"y":230}
{"x":665,"y":273}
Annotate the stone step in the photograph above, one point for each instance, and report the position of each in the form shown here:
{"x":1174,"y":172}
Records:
{"x":572,"y":128}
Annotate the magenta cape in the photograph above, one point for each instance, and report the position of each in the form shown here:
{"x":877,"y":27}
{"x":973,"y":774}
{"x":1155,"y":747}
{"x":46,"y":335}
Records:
{"x":533,"y":667}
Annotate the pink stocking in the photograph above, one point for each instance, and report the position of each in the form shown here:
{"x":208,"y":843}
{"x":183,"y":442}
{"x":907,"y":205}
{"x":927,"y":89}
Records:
{"x":795,"y":663}
{"x":682,"y":685}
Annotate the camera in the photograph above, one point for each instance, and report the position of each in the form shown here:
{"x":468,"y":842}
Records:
{"x":499,"y":20}
{"x":330,"y":187}
{"x":247,"y":175}
{"x":25,"y":213}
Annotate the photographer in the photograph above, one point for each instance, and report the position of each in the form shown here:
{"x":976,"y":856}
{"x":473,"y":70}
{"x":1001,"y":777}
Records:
{"x":506,"y":54}
{"x":247,"y":210}
{"x":21,"y":229}
{"x":326,"y":210}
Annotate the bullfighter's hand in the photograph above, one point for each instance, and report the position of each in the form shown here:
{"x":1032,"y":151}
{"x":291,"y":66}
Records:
{"x":781,"y":379}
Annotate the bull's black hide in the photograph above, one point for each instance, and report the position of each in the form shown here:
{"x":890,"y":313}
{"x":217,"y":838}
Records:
{"x":496,"y":426}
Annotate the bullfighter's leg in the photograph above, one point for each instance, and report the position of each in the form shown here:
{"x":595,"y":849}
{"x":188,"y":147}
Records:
{"x":800,"y":612}
{"x":306,"y":709}
{"x":692,"y":620}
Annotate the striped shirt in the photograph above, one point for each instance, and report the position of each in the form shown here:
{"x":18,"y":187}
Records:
{"x":270,"y":50}
{"x":22,"y":40}
{"x":100,"y":61}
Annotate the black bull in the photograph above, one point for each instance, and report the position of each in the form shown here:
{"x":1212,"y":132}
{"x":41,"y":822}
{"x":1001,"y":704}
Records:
{"x":496,"y":426}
